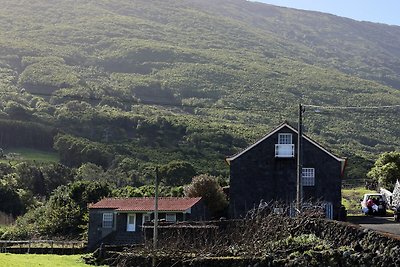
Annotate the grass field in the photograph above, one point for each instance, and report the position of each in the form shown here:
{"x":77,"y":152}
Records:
{"x":33,"y":260}
{"x":21,"y":154}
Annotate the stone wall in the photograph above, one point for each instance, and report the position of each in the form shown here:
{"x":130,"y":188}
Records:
{"x":264,"y":242}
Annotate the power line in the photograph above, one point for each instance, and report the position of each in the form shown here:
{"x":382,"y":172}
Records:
{"x":352,"y":107}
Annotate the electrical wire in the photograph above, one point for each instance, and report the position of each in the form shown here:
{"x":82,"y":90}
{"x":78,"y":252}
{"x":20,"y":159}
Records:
{"x":352,"y":107}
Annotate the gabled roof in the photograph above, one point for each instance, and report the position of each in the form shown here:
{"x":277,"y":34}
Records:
{"x":229,"y":159}
{"x":180,"y":204}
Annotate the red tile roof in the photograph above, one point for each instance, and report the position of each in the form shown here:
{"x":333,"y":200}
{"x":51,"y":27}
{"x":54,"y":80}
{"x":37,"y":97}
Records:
{"x":146,"y":203}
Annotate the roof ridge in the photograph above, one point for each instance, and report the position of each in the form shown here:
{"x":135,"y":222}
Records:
{"x":233,"y":157}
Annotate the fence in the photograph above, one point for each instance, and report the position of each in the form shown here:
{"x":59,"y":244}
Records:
{"x":42,"y":247}
{"x":346,"y":184}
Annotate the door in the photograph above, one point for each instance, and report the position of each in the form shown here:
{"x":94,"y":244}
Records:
{"x":131,"y":223}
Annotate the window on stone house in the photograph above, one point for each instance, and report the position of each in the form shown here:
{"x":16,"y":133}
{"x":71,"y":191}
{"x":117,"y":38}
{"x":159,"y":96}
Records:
{"x":308,"y":177}
{"x":108,"y":220}
{"x":170,"y":217}
{"x":284,"y":138}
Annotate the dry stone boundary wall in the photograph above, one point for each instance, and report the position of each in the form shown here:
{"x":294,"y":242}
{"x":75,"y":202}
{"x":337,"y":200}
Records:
{"x":351,"y":246}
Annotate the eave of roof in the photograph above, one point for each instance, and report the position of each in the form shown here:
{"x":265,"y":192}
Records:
{"x":229,"y":159}
{"x":146,"y":204}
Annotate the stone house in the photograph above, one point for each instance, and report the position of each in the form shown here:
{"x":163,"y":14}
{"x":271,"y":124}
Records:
{"x":267,"y":170}
{"x":119,"y":221}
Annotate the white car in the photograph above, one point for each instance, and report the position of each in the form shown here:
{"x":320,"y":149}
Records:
{"x":374,"y":204}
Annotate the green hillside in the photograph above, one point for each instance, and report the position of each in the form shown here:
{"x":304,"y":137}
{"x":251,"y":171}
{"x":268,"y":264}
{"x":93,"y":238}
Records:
{"x":156,"y":81}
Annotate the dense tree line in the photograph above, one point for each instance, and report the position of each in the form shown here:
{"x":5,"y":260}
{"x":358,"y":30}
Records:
{"x":51,"y":198}
{"x":118,"y":101}
{"x":25,"y":134}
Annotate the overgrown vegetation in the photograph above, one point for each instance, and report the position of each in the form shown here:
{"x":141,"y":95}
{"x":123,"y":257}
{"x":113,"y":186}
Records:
{"x":266,"y":239}
{"x":120,"y":87}
{"x":53,"y":198}
{"x":386,"y":170}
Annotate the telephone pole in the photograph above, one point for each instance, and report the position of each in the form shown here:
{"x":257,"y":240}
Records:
{"x":155,"y":224}
{"x":299,"y":189}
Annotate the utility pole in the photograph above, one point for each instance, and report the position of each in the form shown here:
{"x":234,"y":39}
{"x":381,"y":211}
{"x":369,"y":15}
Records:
{"x":155,"y":229}
{"x":299,"y":189}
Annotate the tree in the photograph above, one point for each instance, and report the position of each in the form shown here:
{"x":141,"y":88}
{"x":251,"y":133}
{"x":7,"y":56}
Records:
{"x":90,"y":172}
{"x":177,"y":173}
{"x":10,"y":202}
{"x":31,"y":178}
{"x":56,"y":174}
{"x":386,"y":169}
{"x":207,"y":187}
{"x":64,"y":214}
{"x":17,"y":111}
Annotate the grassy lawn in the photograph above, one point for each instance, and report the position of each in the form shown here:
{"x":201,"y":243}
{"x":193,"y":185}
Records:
{"x":31,"y":154}
{"x":33,"y":260}
{"x":351,"y":199}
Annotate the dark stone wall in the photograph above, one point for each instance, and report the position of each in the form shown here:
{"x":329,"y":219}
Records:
{"x":257,"y":175}
{"x":95,"y":233}
{"x":199,"y":212}
{"x":121,"y":222}
{"x":346,"y":245}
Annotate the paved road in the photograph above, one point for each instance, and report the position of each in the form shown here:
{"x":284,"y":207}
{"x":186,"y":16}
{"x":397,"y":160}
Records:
{"x":381,"y":224}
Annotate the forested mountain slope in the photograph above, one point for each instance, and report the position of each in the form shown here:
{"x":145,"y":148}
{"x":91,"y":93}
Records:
{"x":221,"y":73}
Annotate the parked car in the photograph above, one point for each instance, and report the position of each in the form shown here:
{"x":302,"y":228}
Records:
{"x":374,"y":204}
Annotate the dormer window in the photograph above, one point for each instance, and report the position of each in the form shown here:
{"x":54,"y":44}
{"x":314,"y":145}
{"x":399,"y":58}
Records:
{"x":284,"y":138}
{"x":285,"y":147}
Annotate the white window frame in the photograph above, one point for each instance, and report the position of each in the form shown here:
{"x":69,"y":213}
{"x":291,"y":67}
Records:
{"x":108,"y":220}
{"x":144,"y":218}
{"x":285,"y":139}
{"x":134,"y":222}
{"x":308,"y":177}
{"x":170,"y":214}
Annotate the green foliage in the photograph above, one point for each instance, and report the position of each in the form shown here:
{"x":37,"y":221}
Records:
{"x":17,"y":111}
{"x":177,"y":173}
{"x":47,"y":72}
{"x":64,"y":215}
{"x":92,"y":86}
{"x":386,"y":169}
{"x":25,"y":134}
{"x":74,"y":151}
{"x":207,"y":187}
{"x":148,"y":191}
{"x":10,"y":201}
{"x":82,"y":77}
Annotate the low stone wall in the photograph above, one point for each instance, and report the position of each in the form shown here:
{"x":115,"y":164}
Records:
{"x":348,"y":245}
